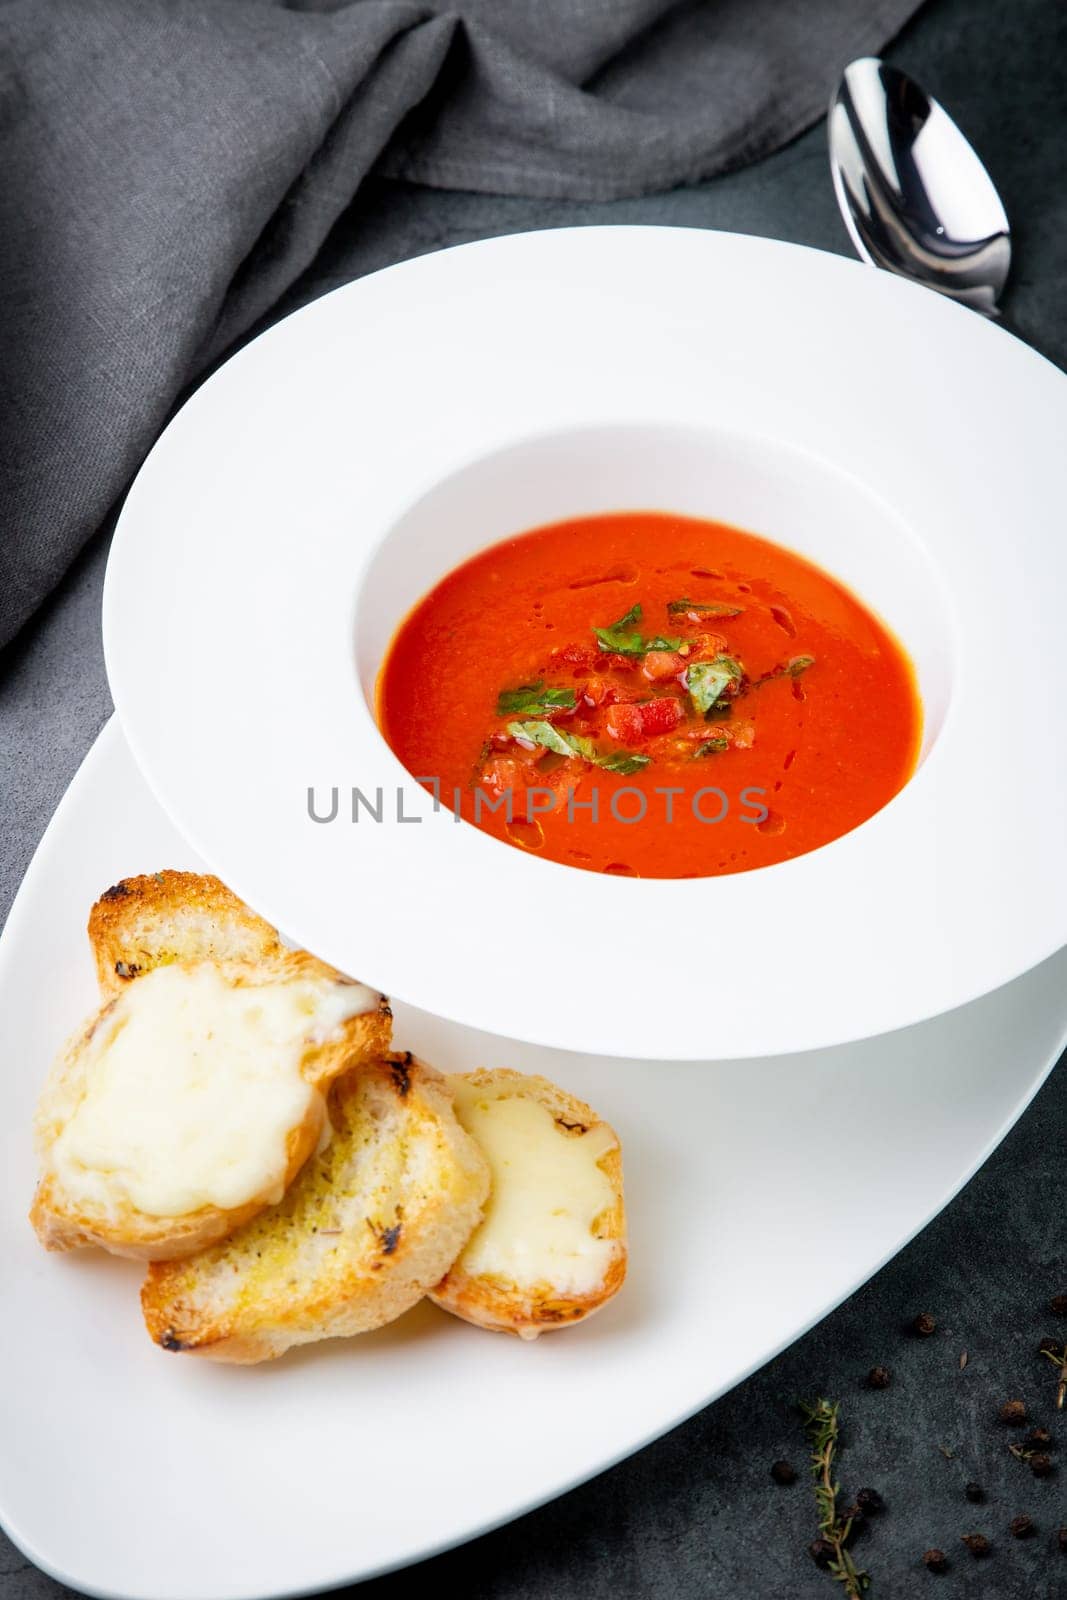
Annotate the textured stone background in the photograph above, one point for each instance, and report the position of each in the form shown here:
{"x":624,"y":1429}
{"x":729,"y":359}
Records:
{"x":696,"y":1514}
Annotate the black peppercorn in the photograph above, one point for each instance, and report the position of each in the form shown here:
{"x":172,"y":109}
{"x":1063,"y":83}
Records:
{"x":924,"y":1325}
{"x":822,"y":1552}
{"x":1039,"y":1438}
{"x":1042,"y":1466}
{"x":1058,"y":1305}
{"x":869,"y":1500}
{"x":1013,"y":1412}
{"x":975,"y":1493}
{"x":1061,"y":1539}
{"x":977,"y":1544}
{"x":936,"y":1560}
{"x":879,"y":1378}
{"x":783,"y":1472}
{"x":1021,"y":1527}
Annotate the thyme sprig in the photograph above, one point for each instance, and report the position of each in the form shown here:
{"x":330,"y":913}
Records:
{"x":1057,"y":1354}
{"x":823,"y":1430}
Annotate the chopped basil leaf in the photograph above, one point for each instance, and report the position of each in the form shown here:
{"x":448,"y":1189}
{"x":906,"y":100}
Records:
{"x":572,"y":744}
{"x":787,"y":669}
{"x":617,"y":641}
{"x":798,"y":664}
{"x":533,"y":700}
{"x":543,"y":733}
{"x":712,"y":747}
{"x":582,"y":747}
{"x":623,"y":762}
{"x":706,"y":608}
{"x":706,"y":681}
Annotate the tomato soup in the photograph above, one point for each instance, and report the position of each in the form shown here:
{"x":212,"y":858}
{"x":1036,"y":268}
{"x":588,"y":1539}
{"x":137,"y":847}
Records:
{"x":651,"y":695}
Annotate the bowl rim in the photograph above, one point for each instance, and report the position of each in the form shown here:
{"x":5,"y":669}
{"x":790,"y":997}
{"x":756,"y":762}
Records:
{"x":898,"y":894}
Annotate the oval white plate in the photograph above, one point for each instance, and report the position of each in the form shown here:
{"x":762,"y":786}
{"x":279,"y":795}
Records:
{"x":908,"y":442}
{"x":128,"y":1472}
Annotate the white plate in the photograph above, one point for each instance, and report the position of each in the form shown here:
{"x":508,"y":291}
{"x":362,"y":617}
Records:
{"x":313,"y":488}
{"x":126,"y":1471}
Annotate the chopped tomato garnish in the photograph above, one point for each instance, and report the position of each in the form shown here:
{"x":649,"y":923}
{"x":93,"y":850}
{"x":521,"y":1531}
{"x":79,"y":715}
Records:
{"x":659,"y":665}
{"x":502,"y":773}
{"x":525,"y":752}
{"x":568,"y":775}
{"x":577,"y":655}
{"x":597,"y":691}
{"x":707,"y":645}
{"x":633,"y":724}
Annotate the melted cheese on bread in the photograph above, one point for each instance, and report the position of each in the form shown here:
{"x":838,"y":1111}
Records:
{"x":547,"y":1192}
{"x":192,"y":1087}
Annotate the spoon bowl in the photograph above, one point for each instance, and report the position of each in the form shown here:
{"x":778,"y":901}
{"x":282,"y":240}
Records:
{"x":914,"y":196}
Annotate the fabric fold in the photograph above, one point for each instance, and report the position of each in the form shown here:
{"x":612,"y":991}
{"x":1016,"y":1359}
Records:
{"x":170,"y":167}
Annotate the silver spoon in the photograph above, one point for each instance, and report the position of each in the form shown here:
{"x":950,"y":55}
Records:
{"x":915,"y":197}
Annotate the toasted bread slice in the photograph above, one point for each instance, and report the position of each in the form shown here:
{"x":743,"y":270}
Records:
{"x":165,"y":945}
{"x":370,"y":1224}
{"x":143,"y":923}
{"x":552,"y":1247}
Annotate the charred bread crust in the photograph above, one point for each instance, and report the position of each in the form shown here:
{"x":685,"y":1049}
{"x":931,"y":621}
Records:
{"x":162,"y":917}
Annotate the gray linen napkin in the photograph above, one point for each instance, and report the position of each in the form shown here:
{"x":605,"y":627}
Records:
{"x":169,"y":167}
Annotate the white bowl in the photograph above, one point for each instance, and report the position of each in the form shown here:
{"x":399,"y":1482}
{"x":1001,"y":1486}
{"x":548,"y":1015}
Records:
{"x":336,"y":468}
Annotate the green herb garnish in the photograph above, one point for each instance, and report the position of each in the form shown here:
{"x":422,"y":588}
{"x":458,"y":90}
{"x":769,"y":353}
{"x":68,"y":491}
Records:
{"x":835,"y":1527}
{"x":563,"y":744}
{"x":712,"y":747}
{"x":534,"y":700}
{"x":787,"y":669}
{"x":706,"y":681}
{"x":622,"y":762}
{"x":706,"y":608}
{"x":616,"y":640}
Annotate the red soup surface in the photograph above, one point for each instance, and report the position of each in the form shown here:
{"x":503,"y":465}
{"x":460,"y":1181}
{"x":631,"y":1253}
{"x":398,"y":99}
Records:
{"x":651,"y":695}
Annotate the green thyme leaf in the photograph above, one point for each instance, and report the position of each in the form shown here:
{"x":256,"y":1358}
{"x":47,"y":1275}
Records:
{"x":533,"y":700}
{"x":706,"y":681}
{"x":712,"y":747}
{"x":706,"y":608}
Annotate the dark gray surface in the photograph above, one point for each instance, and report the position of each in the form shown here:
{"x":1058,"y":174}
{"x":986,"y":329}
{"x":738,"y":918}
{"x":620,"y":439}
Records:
{"x":696,"y":1514}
